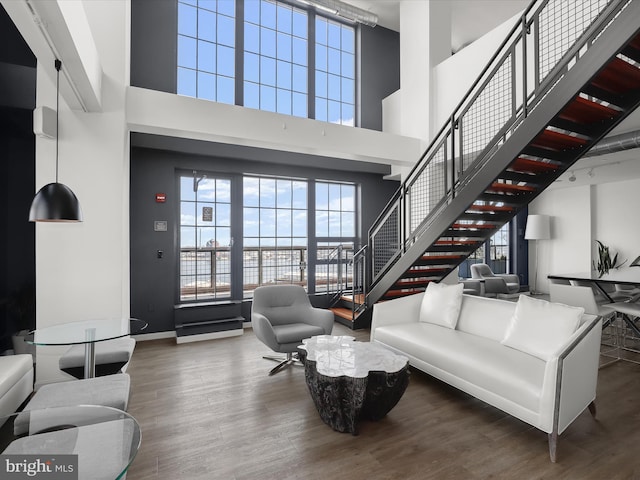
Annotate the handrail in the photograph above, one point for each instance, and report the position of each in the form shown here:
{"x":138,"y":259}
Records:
{"x":500,"y":97}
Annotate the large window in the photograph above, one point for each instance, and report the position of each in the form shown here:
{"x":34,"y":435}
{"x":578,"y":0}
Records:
{"x":206,"y":49}
{"x":276,"y":72}
{"x":205,"y":238}
{"x":275,"y":58}
{"x":335,"y":226}
{"x":335,"y":72}
{"x":275,"y":232}
{"x":273,"y":224}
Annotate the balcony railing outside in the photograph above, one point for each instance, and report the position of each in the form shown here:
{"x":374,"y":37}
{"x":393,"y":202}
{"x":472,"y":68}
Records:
{"x":205,"y":273}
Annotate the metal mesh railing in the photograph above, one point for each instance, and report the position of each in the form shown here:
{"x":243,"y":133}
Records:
{"x":385,"y":240}
{"x":561,"y":23}
{"x":546,"y":43}
{"x":427,"y":188}
{"x":488,"y":113}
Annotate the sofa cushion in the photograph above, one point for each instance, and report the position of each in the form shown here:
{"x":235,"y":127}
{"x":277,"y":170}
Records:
{"x":441,"y":304}
{"x":13,"y":368}
{"x":512,"y":374}
{"x":540,"y":328}
{"x":485,"y":317}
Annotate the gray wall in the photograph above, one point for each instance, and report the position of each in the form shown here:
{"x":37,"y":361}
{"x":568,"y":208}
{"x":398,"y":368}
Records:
{"x":154,"y":58}
{"x":154,"y":289}
{"x":379,"y":72}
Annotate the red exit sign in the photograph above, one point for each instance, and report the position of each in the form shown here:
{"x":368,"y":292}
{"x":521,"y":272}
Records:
{"x":161,"y":197}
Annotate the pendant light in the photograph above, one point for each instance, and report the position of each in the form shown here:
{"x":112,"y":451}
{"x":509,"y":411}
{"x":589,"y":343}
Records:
{"x":55,"y":202}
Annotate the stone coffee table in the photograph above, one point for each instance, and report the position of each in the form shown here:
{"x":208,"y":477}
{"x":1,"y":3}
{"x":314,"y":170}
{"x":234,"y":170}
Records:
{"x":350,"y":380}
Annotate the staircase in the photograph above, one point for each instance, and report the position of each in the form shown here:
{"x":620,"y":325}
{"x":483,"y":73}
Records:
{"x":561,"y":81}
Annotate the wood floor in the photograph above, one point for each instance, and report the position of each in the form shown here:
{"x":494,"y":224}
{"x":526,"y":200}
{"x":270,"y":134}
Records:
{"x":208,"y":410}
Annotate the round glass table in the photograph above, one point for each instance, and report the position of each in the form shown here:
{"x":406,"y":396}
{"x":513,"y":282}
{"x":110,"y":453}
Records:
{"x":87,"y":332}
{"x":80,"y":442}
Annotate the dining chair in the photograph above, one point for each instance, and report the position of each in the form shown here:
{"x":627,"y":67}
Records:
{"x":583,"y":296}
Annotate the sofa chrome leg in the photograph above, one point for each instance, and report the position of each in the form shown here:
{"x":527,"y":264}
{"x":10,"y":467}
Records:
{"x":553,"y":445}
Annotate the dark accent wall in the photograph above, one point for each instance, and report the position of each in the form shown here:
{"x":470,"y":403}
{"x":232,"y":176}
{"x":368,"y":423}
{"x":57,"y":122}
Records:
{"x":379,"y":72}
{"x":154,"y":280}
{"x":17,"y":178}
{"x":154,"y":57}
{"x":154,"y":44}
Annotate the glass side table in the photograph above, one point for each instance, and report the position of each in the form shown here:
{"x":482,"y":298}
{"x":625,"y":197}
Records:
{"x":80,"y":442}
{"x":87,"y":333}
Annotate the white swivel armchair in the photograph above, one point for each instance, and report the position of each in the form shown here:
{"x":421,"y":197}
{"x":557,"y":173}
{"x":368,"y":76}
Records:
{"x":501,"y":283}
{"x":282,"y":316}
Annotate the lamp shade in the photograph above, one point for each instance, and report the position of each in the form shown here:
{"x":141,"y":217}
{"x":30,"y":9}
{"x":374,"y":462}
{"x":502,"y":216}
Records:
{"x":538,"y":227}
{"x":55,"y":202}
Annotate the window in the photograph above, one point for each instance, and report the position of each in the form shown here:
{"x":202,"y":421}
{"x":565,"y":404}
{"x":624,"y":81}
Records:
{"x":499,"y":251}
{"x":275,"y":58}
{"x":274,"y":73}
{"x":205,"y":238}
{"x":335,"y":72}
{"x":335,"y":225}
{"x":275,"y":232}
{"x":494,"y":252}
{"x":206,"y":49}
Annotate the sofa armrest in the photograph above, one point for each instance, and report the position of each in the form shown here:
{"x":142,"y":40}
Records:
{"x":509,"y":277}
{"x":400,"y":310}
{"x":577,"y":376}
{"x":571,"y":377}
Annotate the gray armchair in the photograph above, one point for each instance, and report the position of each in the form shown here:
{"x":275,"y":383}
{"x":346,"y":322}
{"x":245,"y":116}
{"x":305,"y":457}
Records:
{"x":282,"y":316}
{"x":504,"y":283}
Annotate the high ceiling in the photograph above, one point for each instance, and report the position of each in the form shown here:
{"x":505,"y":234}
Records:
{"x":470,"y":19}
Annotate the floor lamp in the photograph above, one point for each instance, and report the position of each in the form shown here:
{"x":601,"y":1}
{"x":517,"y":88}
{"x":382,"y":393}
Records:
{"x":538,"y":228}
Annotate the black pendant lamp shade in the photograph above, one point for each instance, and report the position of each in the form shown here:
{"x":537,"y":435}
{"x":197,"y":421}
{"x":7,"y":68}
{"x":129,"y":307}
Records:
{"x":55,"y":202}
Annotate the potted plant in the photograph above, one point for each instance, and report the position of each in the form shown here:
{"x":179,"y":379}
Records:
{"x":605,"y":262}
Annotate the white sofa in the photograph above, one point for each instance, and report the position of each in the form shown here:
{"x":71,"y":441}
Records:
{"x":16,"y":382}
{"x":546,"y":393}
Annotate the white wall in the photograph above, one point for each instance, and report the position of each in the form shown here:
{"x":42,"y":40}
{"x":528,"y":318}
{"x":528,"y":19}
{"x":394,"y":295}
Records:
{"x":613,"y":217}
{"x":82,"y":270}
{"x":453,"y":77}
{"x":580,"y":216}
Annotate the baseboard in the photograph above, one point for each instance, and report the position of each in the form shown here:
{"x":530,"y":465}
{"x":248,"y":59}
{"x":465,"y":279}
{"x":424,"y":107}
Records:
{"x":153,"y":336}
{"x":208,"y":336}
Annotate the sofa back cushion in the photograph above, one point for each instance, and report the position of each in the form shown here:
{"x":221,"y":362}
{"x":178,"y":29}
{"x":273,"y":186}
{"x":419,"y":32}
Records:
{"x":486,"y":317}
{"x":441,"y":304}
{"x":541,"y":328}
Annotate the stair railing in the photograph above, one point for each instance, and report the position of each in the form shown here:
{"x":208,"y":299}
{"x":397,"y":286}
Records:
{"x":336,"y":285}
{"x":359,"y":284}
{"x":538,"y":51}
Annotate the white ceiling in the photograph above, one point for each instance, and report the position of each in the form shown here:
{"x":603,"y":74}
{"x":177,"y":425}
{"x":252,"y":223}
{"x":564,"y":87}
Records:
{"x":470,"y":19}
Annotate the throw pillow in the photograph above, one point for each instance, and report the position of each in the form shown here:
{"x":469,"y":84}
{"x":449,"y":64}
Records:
{"x":540,"y":328}
{"x":441,"y":304}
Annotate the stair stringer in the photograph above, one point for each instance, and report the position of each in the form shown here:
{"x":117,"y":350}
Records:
{"x":488,"y":165}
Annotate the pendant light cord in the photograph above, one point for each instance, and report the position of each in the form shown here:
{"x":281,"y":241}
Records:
{"x":58,"y":65}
